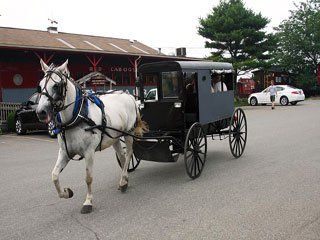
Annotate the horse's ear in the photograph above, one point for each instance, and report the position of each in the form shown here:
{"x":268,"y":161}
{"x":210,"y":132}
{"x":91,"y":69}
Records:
{"x":64,"y":67}
{"x":44,"y":66}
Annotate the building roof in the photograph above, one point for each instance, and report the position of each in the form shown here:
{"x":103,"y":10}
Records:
{"x":44,"y":40}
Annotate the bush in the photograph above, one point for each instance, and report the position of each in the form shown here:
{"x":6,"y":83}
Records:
{"x":10,"y":122}
{"x":238,"y":102}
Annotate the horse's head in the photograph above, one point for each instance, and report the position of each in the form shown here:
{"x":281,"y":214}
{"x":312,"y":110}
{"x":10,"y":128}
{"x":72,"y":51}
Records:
{"x":53,"y":88}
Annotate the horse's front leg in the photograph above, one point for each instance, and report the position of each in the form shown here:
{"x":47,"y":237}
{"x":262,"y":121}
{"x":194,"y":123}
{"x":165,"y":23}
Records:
{"x":124,"y":179}
{"x":61,"y":163}
{"x":87,"y":205}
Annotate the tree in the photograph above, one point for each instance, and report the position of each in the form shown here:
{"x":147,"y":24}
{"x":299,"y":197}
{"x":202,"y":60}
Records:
{"x":299,"y":42}
{"x":236,"y":35}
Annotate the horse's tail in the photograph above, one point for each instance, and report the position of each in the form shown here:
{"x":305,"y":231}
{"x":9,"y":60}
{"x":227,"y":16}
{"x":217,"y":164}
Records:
{"x":141,"y":126}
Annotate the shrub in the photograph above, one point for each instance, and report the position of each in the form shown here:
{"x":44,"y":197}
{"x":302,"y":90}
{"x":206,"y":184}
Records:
{"x":238,"y":102}
{"x":10,"y":122}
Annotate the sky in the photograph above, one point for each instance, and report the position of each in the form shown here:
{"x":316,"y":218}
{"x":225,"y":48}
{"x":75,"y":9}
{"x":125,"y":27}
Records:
{"x":165,"y":24}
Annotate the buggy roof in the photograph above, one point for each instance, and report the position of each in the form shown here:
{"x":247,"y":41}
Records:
{"x":185,"y":65}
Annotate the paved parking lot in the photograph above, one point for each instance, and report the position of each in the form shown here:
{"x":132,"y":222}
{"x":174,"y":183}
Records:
{"x":271,"y":192}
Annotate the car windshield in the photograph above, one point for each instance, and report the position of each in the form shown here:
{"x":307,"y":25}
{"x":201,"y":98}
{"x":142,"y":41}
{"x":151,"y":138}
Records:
{"x":151,"y":95}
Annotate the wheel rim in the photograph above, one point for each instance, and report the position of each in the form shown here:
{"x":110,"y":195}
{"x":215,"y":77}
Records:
{"x":253,"y":101}
{"x":238,"y":133}
{"x":284,"y":101}
{"x":195,"y":151}
{"x":51,"y":128}
{"x":133,"y":164}
{"x":18,"y":126}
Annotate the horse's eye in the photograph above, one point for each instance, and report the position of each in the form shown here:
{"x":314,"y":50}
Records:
{"x":38,"y":89}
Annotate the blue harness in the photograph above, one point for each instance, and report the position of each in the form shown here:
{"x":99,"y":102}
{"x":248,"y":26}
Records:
{"x":80,"y":111}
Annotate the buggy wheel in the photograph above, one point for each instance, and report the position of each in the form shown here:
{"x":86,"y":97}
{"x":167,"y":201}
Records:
{"x":20,"y":130}
{"x":133,"y":164}
{"x":195,"y":150}
{"x":238,"y":133}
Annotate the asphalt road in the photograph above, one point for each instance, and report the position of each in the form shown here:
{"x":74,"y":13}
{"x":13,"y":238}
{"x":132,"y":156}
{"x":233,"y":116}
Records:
{"x":271,"y":192}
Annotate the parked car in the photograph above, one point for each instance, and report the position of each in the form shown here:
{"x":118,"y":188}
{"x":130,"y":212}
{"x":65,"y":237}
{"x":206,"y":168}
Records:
{"x":285,"y":94}
{"x":26,"y":118}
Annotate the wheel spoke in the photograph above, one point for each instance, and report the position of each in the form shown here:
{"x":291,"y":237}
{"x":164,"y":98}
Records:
{"x":233,"y":146}
{"x":202,"y":162}
{"x":197,"y":164}
{"x":238,"y":149}
{"x":194,"y":166}
{"x":241,"y":147}
{"x":236,"y":146}
{"x":232,"y":140}
{"x":191,"y":163}
{"x":188,"y":156}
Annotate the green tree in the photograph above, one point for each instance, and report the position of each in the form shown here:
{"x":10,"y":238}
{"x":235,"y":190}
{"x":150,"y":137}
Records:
{"x":299,"y":42}
{"x":236,"y":34}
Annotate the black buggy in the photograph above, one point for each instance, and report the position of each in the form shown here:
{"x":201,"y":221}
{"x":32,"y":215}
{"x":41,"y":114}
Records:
{"x":195,"y":102}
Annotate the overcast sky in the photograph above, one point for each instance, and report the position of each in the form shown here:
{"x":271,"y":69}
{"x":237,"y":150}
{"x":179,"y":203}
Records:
{"x":165,"y":24}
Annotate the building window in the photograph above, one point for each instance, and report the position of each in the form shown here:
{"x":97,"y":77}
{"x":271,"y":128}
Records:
{"x":17,"y":79}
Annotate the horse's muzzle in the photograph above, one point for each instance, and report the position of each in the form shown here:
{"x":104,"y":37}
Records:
{"x":44,"y":116}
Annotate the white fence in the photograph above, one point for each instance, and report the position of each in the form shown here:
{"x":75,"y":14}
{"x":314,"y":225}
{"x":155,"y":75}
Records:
{"x":6,"y":108}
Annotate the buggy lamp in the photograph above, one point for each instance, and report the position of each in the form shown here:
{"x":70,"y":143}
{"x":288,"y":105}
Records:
{"x":141,"y":106}
{"x":177,"y":104}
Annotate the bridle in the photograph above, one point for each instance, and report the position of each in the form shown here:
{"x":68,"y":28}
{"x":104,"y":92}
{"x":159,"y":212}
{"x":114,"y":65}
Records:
{"x":59,"y":88}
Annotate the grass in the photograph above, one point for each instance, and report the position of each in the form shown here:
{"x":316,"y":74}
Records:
{"x":240,"y":102}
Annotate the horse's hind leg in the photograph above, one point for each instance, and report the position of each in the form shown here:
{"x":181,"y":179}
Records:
{"x":120,"y":153}
{"x":123,"y":185}
{"x":87,"y":205}
{"x":61,"y":163}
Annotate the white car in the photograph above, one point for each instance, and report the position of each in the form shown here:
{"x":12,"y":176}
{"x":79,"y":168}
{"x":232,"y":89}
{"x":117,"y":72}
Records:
{"x":285,"y":94}
{"x":152,"y":95}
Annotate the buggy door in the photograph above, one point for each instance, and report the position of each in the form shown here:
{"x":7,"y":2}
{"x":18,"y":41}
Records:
{"x":165,"y":113}
{"x":213,"y":106}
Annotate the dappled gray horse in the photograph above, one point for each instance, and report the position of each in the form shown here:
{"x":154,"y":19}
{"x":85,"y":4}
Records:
{"x":73,"y":111}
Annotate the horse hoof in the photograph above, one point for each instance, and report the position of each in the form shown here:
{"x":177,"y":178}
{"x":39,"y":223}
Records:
{"x":123,"y":188}
{"x":70,"y":192}
{"x":86,"y":209}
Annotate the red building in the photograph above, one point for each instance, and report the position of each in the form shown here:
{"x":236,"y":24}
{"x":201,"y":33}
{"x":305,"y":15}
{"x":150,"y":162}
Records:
{"x":246,"y":86}
{"x":21,"y":50}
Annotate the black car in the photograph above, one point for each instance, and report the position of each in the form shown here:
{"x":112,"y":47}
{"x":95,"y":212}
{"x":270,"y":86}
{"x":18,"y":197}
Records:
{"x":26,"y":118}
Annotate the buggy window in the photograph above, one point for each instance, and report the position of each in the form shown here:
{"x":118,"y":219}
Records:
{"x":170,"y":84}
{"x":221,"y":82}
{"x":190,"y":81}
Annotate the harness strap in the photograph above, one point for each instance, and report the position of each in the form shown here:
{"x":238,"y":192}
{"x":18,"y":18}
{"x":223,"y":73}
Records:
{"x":63,"y":135}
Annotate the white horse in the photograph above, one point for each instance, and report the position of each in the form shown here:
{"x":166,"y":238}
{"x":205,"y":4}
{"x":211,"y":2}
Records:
{"x":60,"y":95}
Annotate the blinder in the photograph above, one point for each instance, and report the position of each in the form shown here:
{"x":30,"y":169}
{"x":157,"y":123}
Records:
{"x":58,"y":88}
{"x":59,"y":91}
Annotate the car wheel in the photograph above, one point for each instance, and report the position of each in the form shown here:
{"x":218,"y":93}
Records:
{"x":253,"y":101}
{"x":19,"y":127}
{"x":294,"y":103}
{"x":284,"y":101}
{"x":51,"y":128}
